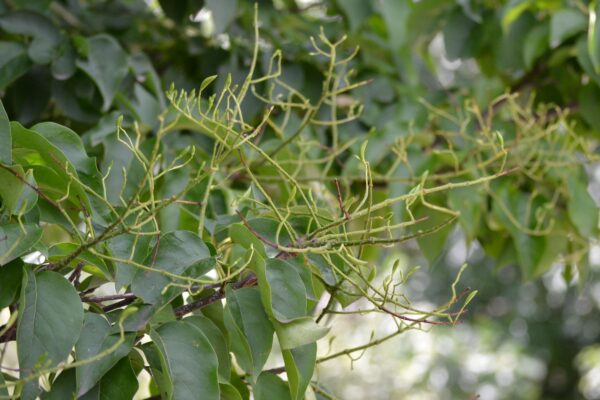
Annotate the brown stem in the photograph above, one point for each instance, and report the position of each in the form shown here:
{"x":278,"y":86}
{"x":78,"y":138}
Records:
{"x":249,"y":281}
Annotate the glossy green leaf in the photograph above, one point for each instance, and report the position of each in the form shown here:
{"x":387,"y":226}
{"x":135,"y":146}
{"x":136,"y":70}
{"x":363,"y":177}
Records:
{"x":5,"y":137}
{"x":17,"y":240}
{"x":50,"y":321}
{"x":174,"y":253}
{"x":299,"y":366}
{"x":250,"y":331}
{"x":95,"y":340}
{"x":269,"y":386}
{"x":189,"y":361}
{"x":106,"y":65}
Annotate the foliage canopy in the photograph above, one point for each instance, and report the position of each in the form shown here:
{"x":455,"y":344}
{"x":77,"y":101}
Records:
{"x":256,"y":204}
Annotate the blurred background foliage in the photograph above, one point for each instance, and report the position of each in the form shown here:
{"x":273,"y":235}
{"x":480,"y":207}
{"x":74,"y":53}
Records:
{"x":438,"y":71}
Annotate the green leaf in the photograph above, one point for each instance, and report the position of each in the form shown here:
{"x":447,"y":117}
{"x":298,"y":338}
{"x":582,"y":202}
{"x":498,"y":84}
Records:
{"x":282,"y":291}
{"x":64,"y":66}
{"x":106,"y":65}
{"x":189,"y":361}
{"x":92,"y":263}
{"x":223,"y":14}
{"x":5,"y":136}
{"x":242,"y":235}
{"x":582,"y":209}
{"x":95,"y":339}
{"x":217,"y":341}
{"x":395,"y":14}
{"x":17,"y":240}
{"x":14,"y":62}
{"x":564,"y":24}
{"x":70,"y":144}
{"x":4,"y":388}
{"x":513,"y":10}
{"x":534,"y":253}
{"x":470,"y":203}
{"x":299,"y":332}
{"x":536,"y":44}
{"x":50,"y":321}
{"x":356,"y":12}
{"x":593,"y":43}
{"x":249,"y":329}
{"x":432,"y":245}
{"x":458,"y":35}
{"x":119,"y":383}
{"x":229,"y":392}
{"x":182,"y":10}
{"x":175,"y":252}
{"x":63,"y":387}
{"x":45,"y":45}
{"x":11,"y":276}
{"x":17,"y":193}
{"x":589,"y":101}
{"x":128,"y":247}
{"x":49,"y":164}
{"x":299,"y":366}
{"x":269,"y":386}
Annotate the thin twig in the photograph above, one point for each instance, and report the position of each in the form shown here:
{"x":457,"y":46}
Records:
{"x":340,"y":201}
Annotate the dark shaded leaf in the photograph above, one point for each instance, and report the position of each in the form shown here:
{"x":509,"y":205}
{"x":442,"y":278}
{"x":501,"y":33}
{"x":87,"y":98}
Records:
{"x":46,"y":37}
{"x":96,"y":338}
{"x":269,"y":386}
{"x":299,"y":366}
{"x":50,"y":321}
{"x":250,"y":331}
{"x":106,"y":64}
{"x":174,"y":253}
{"x":188,"y":360}
{"x":5,"y":136}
